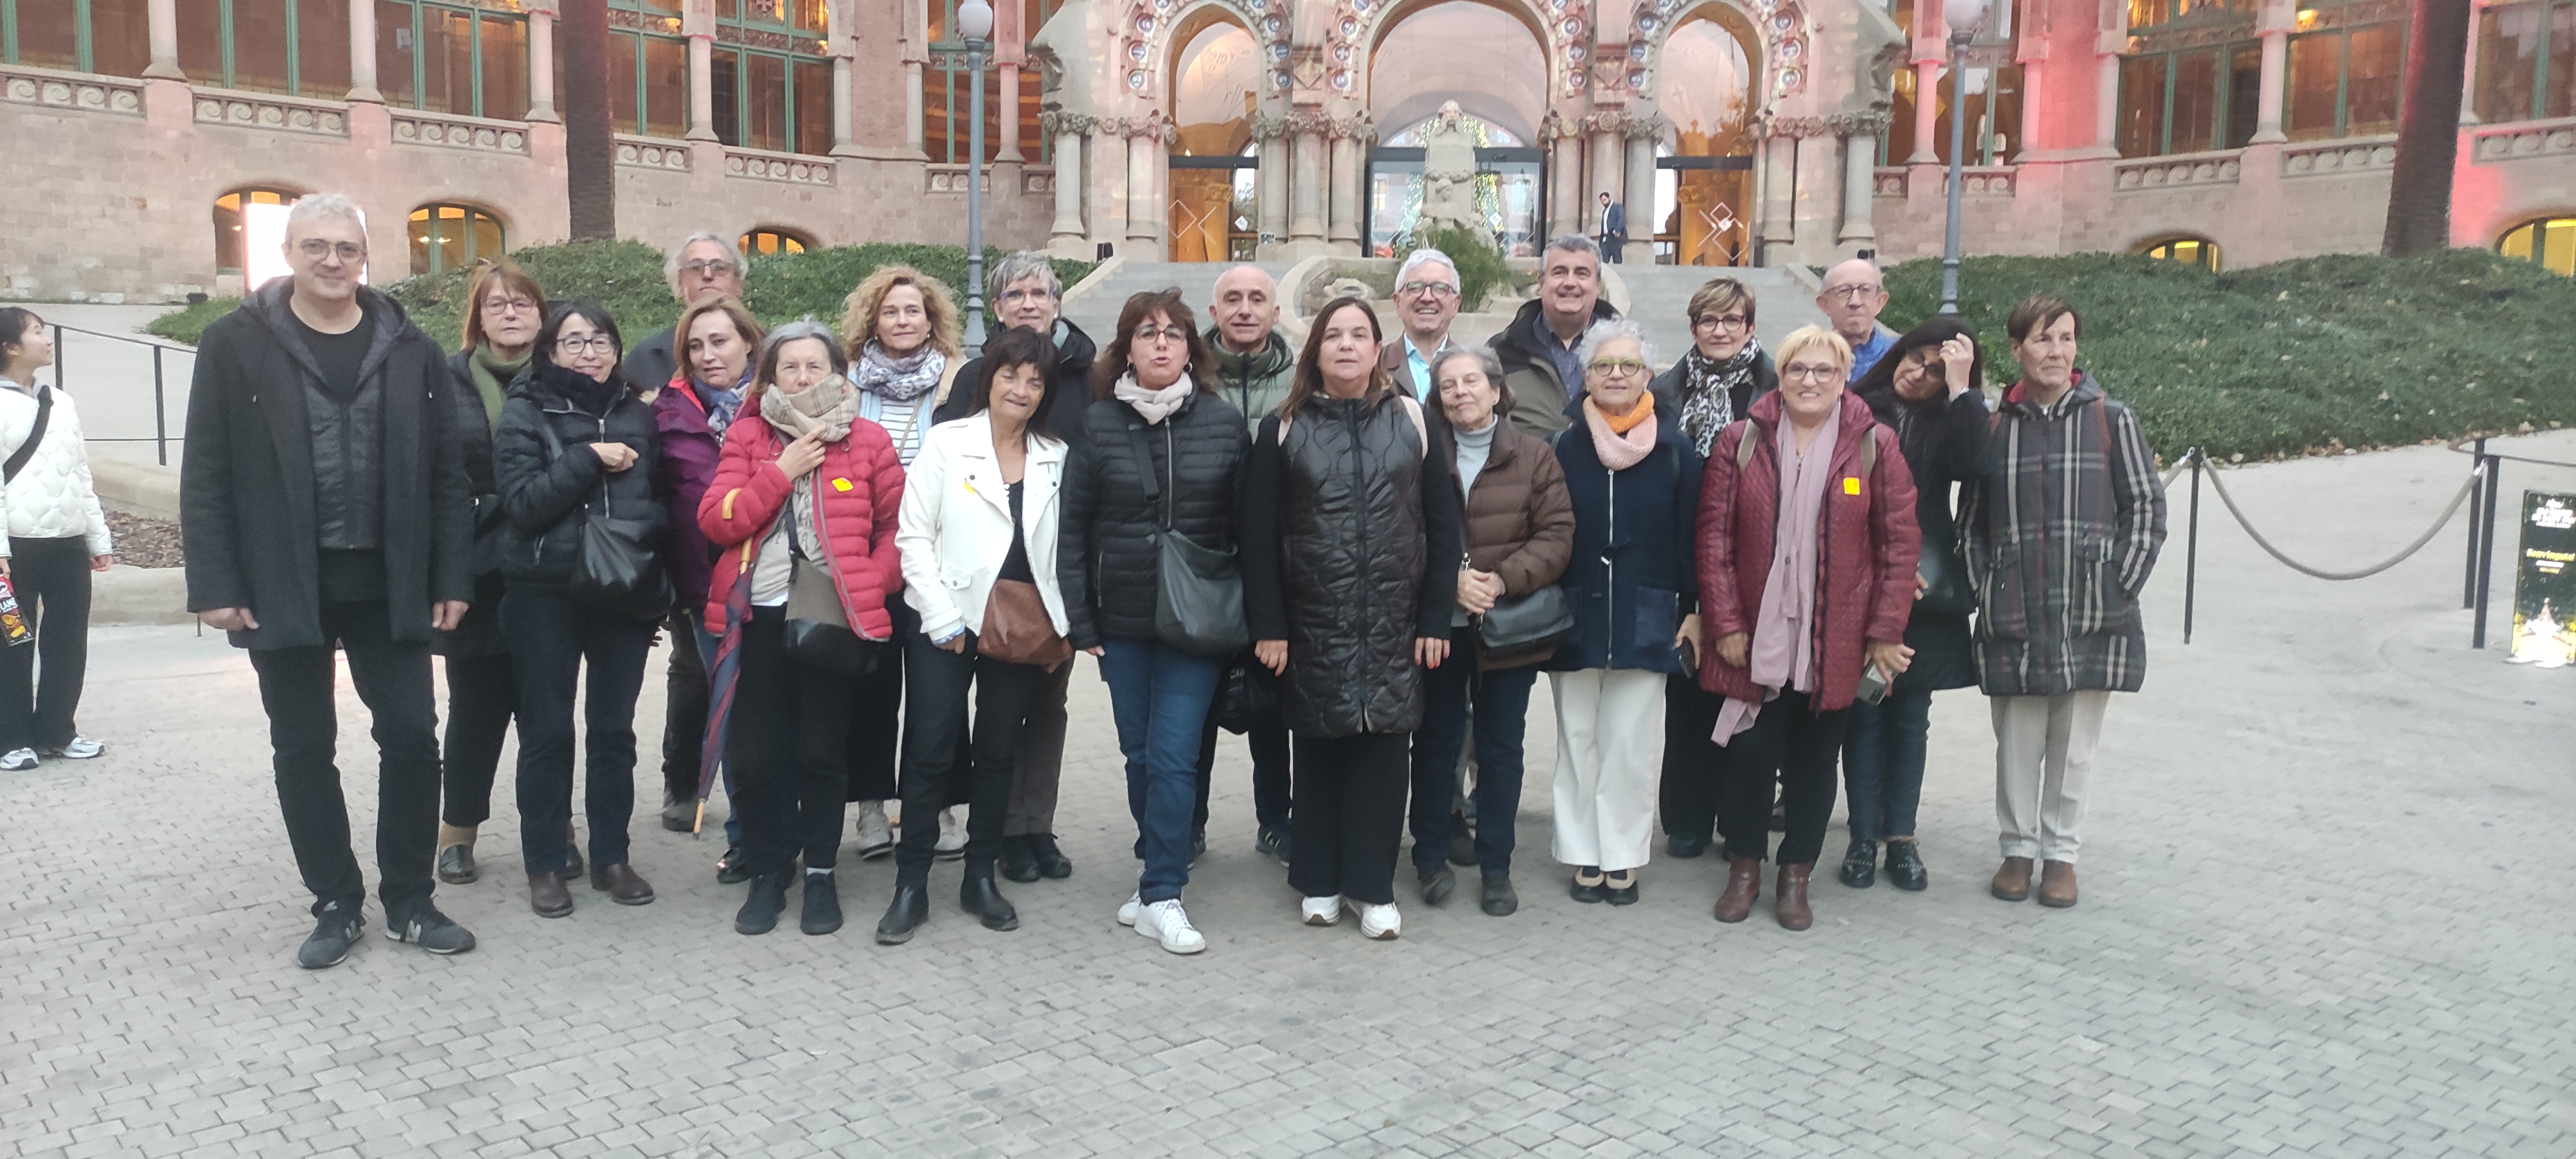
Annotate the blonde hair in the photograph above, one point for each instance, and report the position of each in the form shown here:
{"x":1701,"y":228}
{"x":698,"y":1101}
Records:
{"x":731,"y":307}
{"x":1800,"y":339}
{"x":859,"y":314}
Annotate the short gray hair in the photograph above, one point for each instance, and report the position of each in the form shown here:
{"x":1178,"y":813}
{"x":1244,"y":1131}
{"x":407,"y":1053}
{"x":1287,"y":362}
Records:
{"x":671,"y":264}
{"x":803,"y":328}
{"x":314,"y":208}
{"x":1603,"y":333}
{"x":1575,"y":243}
{"x":1485,"y":361}
{"x":1423,"y":257}
{"x":1024,"y":264}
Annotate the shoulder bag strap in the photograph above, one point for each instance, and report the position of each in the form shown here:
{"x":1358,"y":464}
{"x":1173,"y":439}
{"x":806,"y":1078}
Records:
{"x":1153,"y":483}
{"x":35,"y":434}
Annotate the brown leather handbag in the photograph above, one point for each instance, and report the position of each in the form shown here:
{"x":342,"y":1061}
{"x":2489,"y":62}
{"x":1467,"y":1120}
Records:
{"x":1017,"y":629}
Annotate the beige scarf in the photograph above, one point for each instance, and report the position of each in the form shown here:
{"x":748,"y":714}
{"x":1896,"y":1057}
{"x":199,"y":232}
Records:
{"x":829,"y":407}
{"x":1620,"y":450}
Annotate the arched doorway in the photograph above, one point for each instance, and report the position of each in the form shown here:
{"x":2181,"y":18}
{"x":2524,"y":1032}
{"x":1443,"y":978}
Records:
{"x":1488,"y":60}
{"x":1705,"y":84}
{"x":1214,"y":91}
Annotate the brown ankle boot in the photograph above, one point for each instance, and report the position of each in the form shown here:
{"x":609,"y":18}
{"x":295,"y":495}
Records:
{"x":2012,"y":882}
{"x":2057,"y":884}
{"x":1743,"y":884}
{"x":1792,"y":902}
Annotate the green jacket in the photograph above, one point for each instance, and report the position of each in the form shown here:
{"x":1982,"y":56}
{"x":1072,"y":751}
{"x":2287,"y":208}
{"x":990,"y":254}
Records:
{"x":1255,"y":383}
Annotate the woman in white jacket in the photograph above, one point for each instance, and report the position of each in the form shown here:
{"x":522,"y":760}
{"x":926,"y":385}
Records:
{"x":978,"y":537}
{"x":57,"y":537}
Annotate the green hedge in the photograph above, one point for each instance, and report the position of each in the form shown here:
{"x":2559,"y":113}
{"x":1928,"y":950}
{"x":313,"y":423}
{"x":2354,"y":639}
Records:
{"x":626,"y":276}
{"x":2342,"y":351}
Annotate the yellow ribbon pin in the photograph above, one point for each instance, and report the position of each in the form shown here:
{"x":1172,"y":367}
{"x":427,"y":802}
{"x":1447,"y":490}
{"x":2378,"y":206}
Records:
{"x":1851,"y":485}
{"x":840,"y":484}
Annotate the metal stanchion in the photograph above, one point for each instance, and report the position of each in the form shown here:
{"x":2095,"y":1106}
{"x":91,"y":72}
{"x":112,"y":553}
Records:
{"x":2486,"y":549}
{"x":2191,"y":550}
{"x":2469,"y":574}
{"x":161,"y":413}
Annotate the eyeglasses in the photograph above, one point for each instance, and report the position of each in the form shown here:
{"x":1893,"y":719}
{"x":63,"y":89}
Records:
{"x":1014,"y":297}
{"x":585,"y":344}
{"x":1153,"y":333}
{"x":705,"y":269}
{"x":318,"y":249}
{"x":1810,"y":372}
{"x":1721,"y":322}
{"x":1616,"y":367}
{"x":1428,"y":289}
{"x":1854,"y":293}
{"x":509,"y":305}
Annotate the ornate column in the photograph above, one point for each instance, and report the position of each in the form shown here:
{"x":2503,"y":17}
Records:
{"x":1109,"y":182}
{"x":1270,"y":193}
{"x":1860,"y":178}
{"x":1778,"y":230}
{"x":1927,"y":113}
{"x":843,"y":113}
{"x":362,"y":54}
{"x":541,"y":61}
{"x":1306,"y":180}
{"x":161,"y":17}
{"x":702,"y":84}
{"x":1066,"y":234}
{"x":1644,"y":211}
{"x":2273,"y":23}
{"x":1604,"y":171}
{"x":1347,"y":135}
{"x":1565,"y":199}
{"x":1149,"y":138}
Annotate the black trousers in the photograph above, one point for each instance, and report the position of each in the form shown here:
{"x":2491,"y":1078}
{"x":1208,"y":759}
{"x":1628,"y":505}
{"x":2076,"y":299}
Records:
{"x":789,"y":747}
{"x":1271,"y":790}
{"x":934,"y":710}
{"x":551,"y":635}
{"x":1799,"y":746}
{"x":1694,"y":765}
{"x":684,"y":708}
{"x":880,"y":727}
{"x":40,"y":684}
{"x":1348,"y":816}
{"x":482,"y":697}
{"x":298,"y":687}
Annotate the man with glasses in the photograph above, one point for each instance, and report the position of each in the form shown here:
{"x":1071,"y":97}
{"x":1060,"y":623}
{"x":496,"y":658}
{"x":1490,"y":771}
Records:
{"x":1426,"y":302}
{"x":1854,"y":294}
{"x":1538,"y":349}
{"x":324,"y":501}
{"x":704,"y":266}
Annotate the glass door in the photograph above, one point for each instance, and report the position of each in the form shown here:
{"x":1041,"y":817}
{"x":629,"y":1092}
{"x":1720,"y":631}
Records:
{"x":1213,"y":208}
{"x":1708,"y":225}
{"x":1511,"y":189}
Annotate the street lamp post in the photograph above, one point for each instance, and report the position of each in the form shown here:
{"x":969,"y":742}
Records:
{"x":975,"y":23}
{"x":1964,"y":18}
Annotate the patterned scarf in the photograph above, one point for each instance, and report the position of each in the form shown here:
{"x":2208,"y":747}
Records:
{"x":900,"y":379}
{"x":1708,"y":392}
{"x":829,"y":407}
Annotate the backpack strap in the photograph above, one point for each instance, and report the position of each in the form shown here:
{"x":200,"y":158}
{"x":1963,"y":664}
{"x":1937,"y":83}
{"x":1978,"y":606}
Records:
{"x":26,"y":451}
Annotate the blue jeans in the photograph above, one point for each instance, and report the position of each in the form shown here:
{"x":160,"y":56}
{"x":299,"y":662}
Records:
{"x":1159,"y":696}
{"x":1883,"y":756}
{"x":1501,"y":700}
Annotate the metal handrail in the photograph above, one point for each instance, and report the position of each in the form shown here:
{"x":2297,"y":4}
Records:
{"x":160,"y":408}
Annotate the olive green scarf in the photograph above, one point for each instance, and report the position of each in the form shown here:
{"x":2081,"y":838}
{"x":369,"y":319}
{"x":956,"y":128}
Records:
{"x":492,"y":380}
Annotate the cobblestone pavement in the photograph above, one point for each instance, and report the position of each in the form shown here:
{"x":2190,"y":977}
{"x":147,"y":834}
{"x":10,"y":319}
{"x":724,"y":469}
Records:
{"x":2326,"y":913}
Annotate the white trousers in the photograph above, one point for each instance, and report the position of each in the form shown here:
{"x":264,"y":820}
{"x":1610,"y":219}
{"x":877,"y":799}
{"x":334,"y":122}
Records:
{"x":2043,"y":763}
{"x":1609,"y":752}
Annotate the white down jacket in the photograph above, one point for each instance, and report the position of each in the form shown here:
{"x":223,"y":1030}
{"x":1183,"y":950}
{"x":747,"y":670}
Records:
{"x":51,"y":498}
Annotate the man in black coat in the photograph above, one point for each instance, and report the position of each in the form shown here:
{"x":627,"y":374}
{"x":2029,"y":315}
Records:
{"x":324,"y":501}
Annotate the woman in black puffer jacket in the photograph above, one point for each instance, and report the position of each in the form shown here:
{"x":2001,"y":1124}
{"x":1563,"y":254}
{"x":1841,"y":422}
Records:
{"x":1158,"y":399}
{"x":601,"y":459}
{"x":1349,"y":549}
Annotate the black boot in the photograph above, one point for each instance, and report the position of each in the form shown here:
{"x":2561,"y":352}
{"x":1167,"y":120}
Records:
{"x":910,"y":908}
{"x":822,"y":904}
{"x":981,"y":897}
{"x":1905,"y":866}
{"x":1860,"y":864}
{"x":1051,"y":861}
{"x":1019,"y":859}
{"x":759,"y":913}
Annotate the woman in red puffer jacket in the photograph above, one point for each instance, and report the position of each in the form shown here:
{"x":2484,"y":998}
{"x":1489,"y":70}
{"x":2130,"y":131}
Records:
{"x":804,"y":484}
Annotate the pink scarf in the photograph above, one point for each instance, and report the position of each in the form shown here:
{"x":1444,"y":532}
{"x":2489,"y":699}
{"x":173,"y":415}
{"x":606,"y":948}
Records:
{"x":1783,"y":654}
{"x":1618,"y":451}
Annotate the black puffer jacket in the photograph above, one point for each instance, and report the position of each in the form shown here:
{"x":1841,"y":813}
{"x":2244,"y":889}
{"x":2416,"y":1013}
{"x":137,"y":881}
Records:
{"x":1106,"y":556}
{"x":1074,"y":353}
{"x":1350,"y":553}
{"x":547,"y":499}
{"x":479,"y":634}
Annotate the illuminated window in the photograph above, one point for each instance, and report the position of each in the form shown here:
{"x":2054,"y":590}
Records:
{"x":452,"y":58}
{"x":102,"y":36}
{"x":773,"y":85}
{"x":452,"y":237}
{"x":648,"y":69}
{"x":766,"y":240}
{"x":2190,"y":251}
{"x":2524,"y":70}
{"x":296,"y":47}
{"x":948,"y":92}
{"x":228,"y":222}
{"x":2191,"y":78}
{"x":2549,"y":241}
{"x":2343,"y":73}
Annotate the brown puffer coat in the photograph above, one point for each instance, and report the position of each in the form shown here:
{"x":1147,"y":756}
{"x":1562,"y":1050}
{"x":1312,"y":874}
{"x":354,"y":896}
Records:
{"x":1520,"y":526}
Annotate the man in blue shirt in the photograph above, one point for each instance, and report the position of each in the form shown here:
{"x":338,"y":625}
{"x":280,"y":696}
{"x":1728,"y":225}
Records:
{"x":1854,"y":294}
{"x":1426,"y":302}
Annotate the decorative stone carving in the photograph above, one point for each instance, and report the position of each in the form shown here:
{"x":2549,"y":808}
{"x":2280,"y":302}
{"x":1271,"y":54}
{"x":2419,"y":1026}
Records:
{"x":459,"y":133}
{"x":786,"y":168}
{"x":1056,"y":122}
{"x":650,"y":153}
{"x":285,"y":114}
{"x":2347,"y":156}
{"x":2514,"y":142}
{"x":1449,"y":172}
{"x":1889,"y":183}
{"x":2175,"y":172}
{"x":1356,"y":127}
{"x":70,"y":91}
{"x":1269,"y":128}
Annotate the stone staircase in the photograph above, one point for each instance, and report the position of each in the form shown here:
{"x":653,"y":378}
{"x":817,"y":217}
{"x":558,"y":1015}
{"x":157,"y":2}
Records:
{"x":1095,"y":307}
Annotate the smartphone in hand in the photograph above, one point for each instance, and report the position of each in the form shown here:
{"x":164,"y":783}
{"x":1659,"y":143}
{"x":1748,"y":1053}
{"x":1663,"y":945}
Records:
{"x":1873,"y":683}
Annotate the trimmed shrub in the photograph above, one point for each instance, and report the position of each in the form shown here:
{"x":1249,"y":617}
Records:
{"x":1480,"y":266}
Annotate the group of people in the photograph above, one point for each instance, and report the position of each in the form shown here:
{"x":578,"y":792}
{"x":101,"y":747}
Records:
{"x":877,"y":559}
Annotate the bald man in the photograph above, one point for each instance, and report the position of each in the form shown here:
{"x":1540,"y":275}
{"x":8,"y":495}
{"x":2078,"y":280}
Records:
{"x":1854,"y":294}
{"x":1254,"y":360}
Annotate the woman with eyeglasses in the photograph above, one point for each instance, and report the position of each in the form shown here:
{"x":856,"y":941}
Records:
{"x":574,"y":443}
{"x":1634,"y":479}
{"x":500,"y":339}
{"x":1711,"y":385}
{"x":1806,"y":546}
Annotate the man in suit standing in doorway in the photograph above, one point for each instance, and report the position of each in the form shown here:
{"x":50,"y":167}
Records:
{"x":1614,"y":229}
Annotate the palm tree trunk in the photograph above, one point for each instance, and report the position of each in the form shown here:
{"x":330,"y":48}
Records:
{"x":590,"y":161}
{"x":2428,"y":129}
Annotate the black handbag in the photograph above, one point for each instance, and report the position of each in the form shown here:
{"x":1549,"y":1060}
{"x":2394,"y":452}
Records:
{"x":1198,"y":598}
{"x":618,"y":568}
{"x":1539,"y":618}
{"x":818,"y":632}
{"x":1247,"y":697}
{"x":1945,"y":584}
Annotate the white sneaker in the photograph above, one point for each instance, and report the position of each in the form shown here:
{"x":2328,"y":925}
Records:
{"x":80,"y":748}
{"x":876,"y":838}
{"x":18,"y":760}
{"x":1381,"y":922}
{"x":1168,"y":923}
{"x":1322,"y":911}
{"x":1127,"y":909}
{"x":952,"y":836}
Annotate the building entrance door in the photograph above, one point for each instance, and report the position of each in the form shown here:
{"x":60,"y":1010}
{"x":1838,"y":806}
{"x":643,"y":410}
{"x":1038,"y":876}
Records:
{"x":1212,"y":209}
{"x":1708,"y":226}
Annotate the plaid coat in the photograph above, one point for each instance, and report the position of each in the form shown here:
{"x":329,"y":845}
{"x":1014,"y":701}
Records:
{"x":2058,"y":538}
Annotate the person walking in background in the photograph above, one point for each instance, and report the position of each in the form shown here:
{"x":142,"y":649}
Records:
{"x":899,"y":329}
{"x":507,"y":308}
{"x":1426,"y":304}
{"x":1255,"y":368}
{"x":1710,"y":386}
{"x":804,"y":485}
{"x":1350,"y":525}
{"x":691,"y":414}
{"x":1518,"y":531}
{"x":1614,"y":230}
{"x":323,"y":501}
{"x":1539,"y":349}
{"x":1164,"y":456}
{"x":1854,"y":293}
{"x":1634,"y":480}
{"x":57,"y":537}
{"x":2058,"y":540}
{"x":1807,"y":551}
{"x":575,"y":445}
{"x":1930,"y":391}
{"x":978,"y":536}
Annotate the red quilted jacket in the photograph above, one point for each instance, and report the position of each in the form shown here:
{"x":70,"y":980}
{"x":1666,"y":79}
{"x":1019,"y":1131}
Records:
{"x":1868,"y":553}
{"x":859,"y":491}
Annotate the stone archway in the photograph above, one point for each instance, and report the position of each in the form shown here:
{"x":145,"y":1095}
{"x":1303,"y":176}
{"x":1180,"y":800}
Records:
{"x":1708,"y":80}
{"x":1213,"y":96}
{"x":1492,"y":61}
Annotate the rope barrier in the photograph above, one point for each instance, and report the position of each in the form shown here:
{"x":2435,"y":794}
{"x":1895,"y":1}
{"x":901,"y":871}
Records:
{"x":2217,"y":481}
{"x":2463,"y":447}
